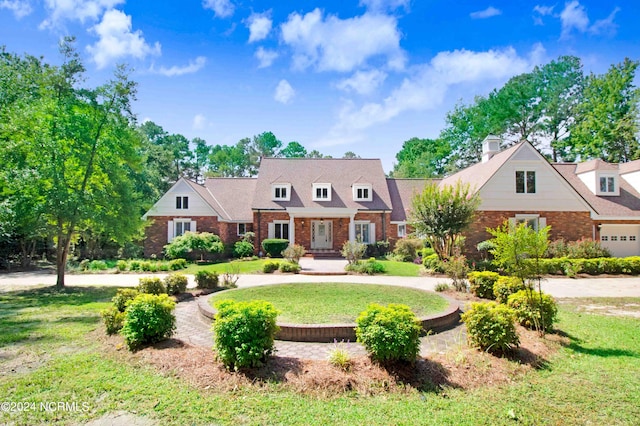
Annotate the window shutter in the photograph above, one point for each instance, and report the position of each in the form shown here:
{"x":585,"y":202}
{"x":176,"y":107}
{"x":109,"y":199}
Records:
{"x":542,"y":222}
{"x":193,"y":226}
{"x":372,"y":233}
{"x":272,"y":230}
{"x":512,"y":222}
{"x":169,"y":231}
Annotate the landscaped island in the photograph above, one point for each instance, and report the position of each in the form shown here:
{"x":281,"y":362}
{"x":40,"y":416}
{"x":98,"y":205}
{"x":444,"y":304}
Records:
{"x":327,"y":303}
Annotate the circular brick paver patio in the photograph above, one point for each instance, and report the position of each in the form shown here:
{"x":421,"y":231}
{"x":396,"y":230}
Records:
{"x":192,"y":328}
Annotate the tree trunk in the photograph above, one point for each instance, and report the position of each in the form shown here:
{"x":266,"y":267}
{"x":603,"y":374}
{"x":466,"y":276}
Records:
{"x":62,"y":252}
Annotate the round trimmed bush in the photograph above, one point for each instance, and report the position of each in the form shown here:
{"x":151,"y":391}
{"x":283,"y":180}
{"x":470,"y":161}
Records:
{"x":432,"y":263}
{"x":244,"y":332}
{"x":491,"y":327}
{"x":151,"y":285}
{"x":505,"y":287}
{"x":534,"y":310}
{"x":481,"y":283}
{"x":113,"y":319}
{"x":148,"y":319}
{"x":270,"y":266}
{"x":206,"y":279}
{"x":274,"y":246}
{"x":289,"y":267}
{"x":176,"y":283}
{"x":389,"y":333}
{"x":122,"y":297}
{"x":243,"y":249}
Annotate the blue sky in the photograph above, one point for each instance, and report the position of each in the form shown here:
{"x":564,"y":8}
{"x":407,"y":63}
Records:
{"x":337,"y":76}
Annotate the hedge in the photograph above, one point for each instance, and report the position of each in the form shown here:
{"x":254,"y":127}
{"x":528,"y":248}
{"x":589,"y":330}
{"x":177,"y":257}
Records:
{"x":274,"y":246}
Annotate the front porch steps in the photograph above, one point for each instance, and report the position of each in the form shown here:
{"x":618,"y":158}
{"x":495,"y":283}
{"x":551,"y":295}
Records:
{"x":324,"y":254}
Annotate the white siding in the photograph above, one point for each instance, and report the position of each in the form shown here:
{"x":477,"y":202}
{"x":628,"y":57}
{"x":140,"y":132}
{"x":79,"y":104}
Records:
{"x":166,"y":206}
{"x":553,"y":193}
{"x":633,"y":179}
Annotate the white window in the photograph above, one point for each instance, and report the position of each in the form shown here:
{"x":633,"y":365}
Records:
{"x":402,"y":230}
{"x":362,"y":192}
{"x":525,"y":182}
{"x":365,"y":232}
{"x":623,"y":238}
{"x":321,"y":192}
{"x":182,"y":202}
{"x":281,"y":192}
{"x":604,"y":238}
{"x":614,"y":238}
{"x":242,"y":228}
{"x":607,"y":184}
{"x":178,"y":227}
{"x":279,"y":229}
{"x":533,"y":221}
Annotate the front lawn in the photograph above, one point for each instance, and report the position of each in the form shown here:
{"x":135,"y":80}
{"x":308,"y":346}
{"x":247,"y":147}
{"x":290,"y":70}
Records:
{"x":52,"y":350}
{"x":400,"y":269}
{"x":329,"y":303}
{"x":241,"y":266}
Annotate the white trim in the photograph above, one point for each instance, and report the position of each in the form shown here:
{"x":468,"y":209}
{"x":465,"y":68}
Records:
{"x":616,"y":183}
{"x":404,"y":233}
{"x":526,"y":171}
{"x":238,"y":228}
{"x":527,"y":218}
{"x":371,"y":232}
{"x":327,"y":212}
{"x":286,"y":186}
{"x":170,"y":193}
{"x":272,"y":228}
{"x":317,"y":186}
{"x":362,"y":186}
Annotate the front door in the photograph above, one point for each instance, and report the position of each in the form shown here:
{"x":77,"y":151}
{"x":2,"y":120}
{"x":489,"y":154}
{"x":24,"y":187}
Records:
{"x":321,"y":234}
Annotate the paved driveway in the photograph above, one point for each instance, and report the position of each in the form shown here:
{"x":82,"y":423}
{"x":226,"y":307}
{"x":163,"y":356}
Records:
{"x":557,"y":287}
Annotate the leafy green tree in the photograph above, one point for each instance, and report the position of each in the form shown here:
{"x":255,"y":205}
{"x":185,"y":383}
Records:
{"x":350,"y":155}
{"x":201,"y":158}
{"x":442,"y":214}
{"x":317,"y":154}
{"x":422,"y":158}
{"x":232,"y":161}
{"x":266,"y":145}
{"x":294,"y":150}
{"x":80,"y":148}
{"x":607,"y":126}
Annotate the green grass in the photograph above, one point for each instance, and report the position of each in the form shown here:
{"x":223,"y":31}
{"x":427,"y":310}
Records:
{"x":242,"y":266}
{"x":400,"y":269}
{"x":593,"y":380}
{"x":326,"y":303}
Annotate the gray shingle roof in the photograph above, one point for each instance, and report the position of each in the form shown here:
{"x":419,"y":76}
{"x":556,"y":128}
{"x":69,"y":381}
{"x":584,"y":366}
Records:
{"x":302,"y":173}
{"x":229,"y":197}
{"x":402,"y":192}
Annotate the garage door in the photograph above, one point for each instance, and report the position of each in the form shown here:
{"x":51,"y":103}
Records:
{"x":621,"y":240}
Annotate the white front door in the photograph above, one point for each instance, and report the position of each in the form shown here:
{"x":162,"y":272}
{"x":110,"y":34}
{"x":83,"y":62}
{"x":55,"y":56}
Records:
{"x":321,"y":234}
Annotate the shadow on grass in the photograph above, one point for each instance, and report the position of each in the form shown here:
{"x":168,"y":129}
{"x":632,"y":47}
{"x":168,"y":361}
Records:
{"x":526,"y":357}
{"x":576,"y":344}
{"x":424,"y":375}
{"x":54,"y":297}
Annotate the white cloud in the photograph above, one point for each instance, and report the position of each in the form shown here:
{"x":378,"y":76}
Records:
{"x":284,"y":92}
{"x":199,"y":122}
{"x":539,"y":12}
{"x":266,"y":57}
{"x":384,"y":5}
{"x":574,"y":17}
{"x":334,"y":44}
{"x":75,"y":10}
{"x":193,"y":67}
{"x":428,"y":84}
{"x":363,"y":82}
{"x":19,"y":8}
{"x":487,"y":13}
{"x":116,"y":40}
{"x":221,"y":8}
{"x":259,"y":25}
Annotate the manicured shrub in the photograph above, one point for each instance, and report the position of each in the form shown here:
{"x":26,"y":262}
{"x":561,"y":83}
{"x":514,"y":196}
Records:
{"x":206,"y":280}
{"x":244,"y":332}
{"x":491,"y":327}
{"x":353,"y":251}
{"x":145,"y":266}
{"x":270,"y":266}
{"x":98,"y":265}
{"x":151,"y":285}
{"x":481,"y":283}
{"x":533,"y":310}
{"x":407,"y":249}
{"x":164,"y":266}
{"x":176,"y":283}
{"x":427,"y":251}
{"x":148,"y":319}
{"x":389,"y":333}
{"x":134,"y":265}
{"x":294,"y":253}
{"x":122,"y":297}
{"x":440,"y":287}
{"x":289,"y":267}
{"x":194,"y":245}
{"x":274,"y":247}
{"x":378,"y":249}
{"x":113,"y":319}
{"x":177,"y":264}
{"x":243,"y":249}
{"x":505,"y":287}
{"x":432,"y":263}
{"x":370,"y":267}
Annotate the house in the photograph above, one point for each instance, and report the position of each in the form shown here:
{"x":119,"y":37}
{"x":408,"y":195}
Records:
{"x":321,"y":203}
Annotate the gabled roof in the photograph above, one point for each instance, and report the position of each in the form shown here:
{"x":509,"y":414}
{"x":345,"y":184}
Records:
{"x":630,"y":167}
{"x":402,"y":192}
{"x":231,"y":197}
{"x":479,"y":174}
{"x":627,"y":204}
{"x":592,"y":165}
{"x":302,"y":173}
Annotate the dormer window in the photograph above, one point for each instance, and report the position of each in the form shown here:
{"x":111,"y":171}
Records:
{"x":182,"y":203}
{"x":281,"y":192}
{"x":607,"y":184}
{"x":362,"y":192}
{"x":321,"y":192}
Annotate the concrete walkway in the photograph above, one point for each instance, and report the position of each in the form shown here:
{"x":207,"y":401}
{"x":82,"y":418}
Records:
{"x":557,"y":287}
